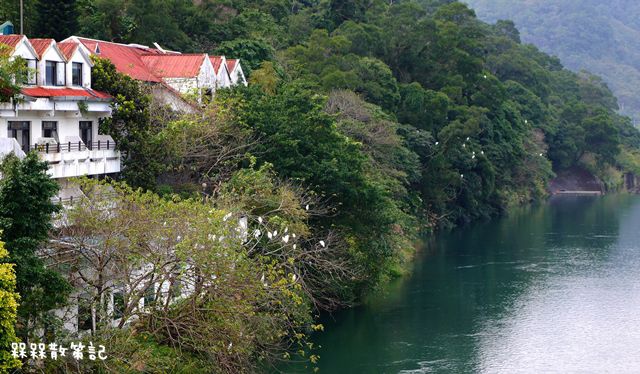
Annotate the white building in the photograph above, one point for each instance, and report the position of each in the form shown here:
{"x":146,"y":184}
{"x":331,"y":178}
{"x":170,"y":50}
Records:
{"x":171,"y":75}
{"x":58,"y":113}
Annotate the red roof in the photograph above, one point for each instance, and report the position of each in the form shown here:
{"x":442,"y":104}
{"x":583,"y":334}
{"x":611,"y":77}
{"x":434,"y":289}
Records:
{"x":41,"y":45}
{"x":151,"y":64}
{"x":11,"y":40}
{"x":127,"y":59}
{"x":64,"y":92}
{"x":68,"y":49}
{"x":231,"y":64}
{"x":173,"y":65}
{"x":216,"y":61}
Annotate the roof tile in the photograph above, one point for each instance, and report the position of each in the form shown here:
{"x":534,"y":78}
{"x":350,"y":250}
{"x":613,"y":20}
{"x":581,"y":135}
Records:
{"x":41,"y":45}
{"x":11,"y":40}
{"x":68,"y":49}
{"x":64,"y":92}
{"x":231,"y":64}
{"x":127,"y":59}
{"x":174,"y":66}
{"x":216,"y":61}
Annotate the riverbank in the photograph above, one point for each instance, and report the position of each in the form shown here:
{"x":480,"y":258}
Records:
{"x":534,"y":289}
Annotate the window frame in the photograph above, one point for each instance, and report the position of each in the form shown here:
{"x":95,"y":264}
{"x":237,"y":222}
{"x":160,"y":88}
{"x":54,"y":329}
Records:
{"x":32,"y":73}
{"x":52,"y":126}
{"x":53,"y":66}
{"x":80,"y":71}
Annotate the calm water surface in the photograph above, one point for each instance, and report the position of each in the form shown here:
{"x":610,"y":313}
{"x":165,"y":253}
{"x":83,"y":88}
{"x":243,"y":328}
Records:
{"x":551,"y":289}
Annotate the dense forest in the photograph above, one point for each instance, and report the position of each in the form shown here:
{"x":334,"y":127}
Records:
{"x":366,"y":124}
{"x":601,"y":37}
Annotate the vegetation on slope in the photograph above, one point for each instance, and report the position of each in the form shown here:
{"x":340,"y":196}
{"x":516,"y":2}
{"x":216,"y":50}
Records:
{"x":365,"y":124}
{"x":601,"y":37}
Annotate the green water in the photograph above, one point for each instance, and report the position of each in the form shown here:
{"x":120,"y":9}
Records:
{"x":554,"y":288}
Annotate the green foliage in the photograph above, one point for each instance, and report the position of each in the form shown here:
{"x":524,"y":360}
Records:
{"x":25,"y":183}
{"x":45,"y":19}
{"x":386,"y":118}
{"x":8,"y":313}
{"x":589,"y":34}
{"x":56,"y":19}
{"x":10,"y":11}
{"x":440,"y":76}
{"x":252,"y":53}
{"x":106,"y":20}
{"x":230,"y":300}
{"x":303,"y":144}
{"x":11,"y":72}
{"x":130,"y":124}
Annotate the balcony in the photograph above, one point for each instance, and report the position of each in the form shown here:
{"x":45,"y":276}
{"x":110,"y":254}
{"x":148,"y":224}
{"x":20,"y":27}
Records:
{"x":75,"y":158}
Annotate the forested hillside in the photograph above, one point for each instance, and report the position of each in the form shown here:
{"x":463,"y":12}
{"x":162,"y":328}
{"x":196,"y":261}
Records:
{"x":602,"y":37}
{"x":366,"y":123}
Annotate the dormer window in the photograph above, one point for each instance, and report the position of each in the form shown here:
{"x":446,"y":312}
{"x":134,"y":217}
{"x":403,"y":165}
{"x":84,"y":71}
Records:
{"x":50,"y":73}
{"x":54,"y":73}
{"x":32,"y":66}
{"x":76,"y":74}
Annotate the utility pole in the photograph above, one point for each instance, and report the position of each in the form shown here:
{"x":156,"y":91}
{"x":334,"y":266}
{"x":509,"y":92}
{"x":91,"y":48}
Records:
{"x":21,"y":17}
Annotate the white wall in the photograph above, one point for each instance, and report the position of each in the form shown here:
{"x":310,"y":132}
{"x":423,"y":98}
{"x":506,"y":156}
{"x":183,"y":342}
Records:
{"x":237,"y":75}
{"x":203,"y":81}
{"x":23,"y":51}
{"x":222,"y":79}
{"x":166,"y":97}
{"x":68,"y":124}
{"x":183,"y":85}
{"x":207,"y":75}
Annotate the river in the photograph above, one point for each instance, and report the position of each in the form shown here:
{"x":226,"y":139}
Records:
{"x":553,"y":288}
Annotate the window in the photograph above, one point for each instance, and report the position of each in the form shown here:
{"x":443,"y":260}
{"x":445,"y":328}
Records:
{"x":150,"y":296}
{"x":76,"y":74}
{"x":86,"y":133}
{"x":50,"y":129}
{"x":85,"y":315}
{"x":19,"y":130}
{"x":32,"y":71}
{"x":118,"y":305}
{"x":176,"y":288}
{"x":54,"y":73}
{"x":51,"y":73}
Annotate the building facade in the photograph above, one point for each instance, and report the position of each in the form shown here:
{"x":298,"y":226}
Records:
{"x":58,"y":113}
{"x":172,"y":75}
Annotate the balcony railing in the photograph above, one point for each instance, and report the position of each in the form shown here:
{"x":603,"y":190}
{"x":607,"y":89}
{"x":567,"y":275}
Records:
{"x":71,"y":147}
{"x":71,"y":200}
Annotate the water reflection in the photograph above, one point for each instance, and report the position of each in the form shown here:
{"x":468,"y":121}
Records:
{"x":583,"y":315}
{"x":547,"y":289}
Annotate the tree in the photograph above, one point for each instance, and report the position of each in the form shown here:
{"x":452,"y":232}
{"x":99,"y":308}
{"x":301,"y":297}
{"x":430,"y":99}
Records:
{"x":207,"y":147}
{"x":343,"y":10}
{"x":8,"y":312}
{"x":508,"y":29}
{"x":106,"y":20}
{"x":56,"y":19}
{"x":303,"y":144}
{"x":251,"y":52}
{"x":11,"y":72}
{"x":25,"y":183}
{"x":227,"y":286}
{"x":377,"y":83}
{"x":130,"y":124}
{"x":10,"y":11}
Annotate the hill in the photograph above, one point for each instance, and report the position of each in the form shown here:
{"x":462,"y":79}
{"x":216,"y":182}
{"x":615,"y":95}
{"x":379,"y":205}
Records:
{"x":602,"y":37}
